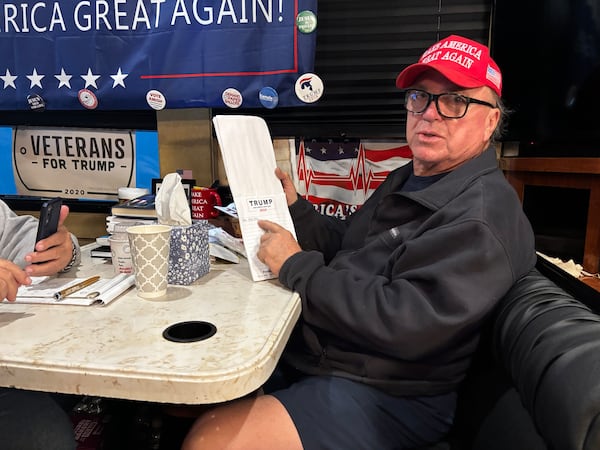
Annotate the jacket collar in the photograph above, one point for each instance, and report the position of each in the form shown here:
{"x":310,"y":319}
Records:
{"x":447,"y":188}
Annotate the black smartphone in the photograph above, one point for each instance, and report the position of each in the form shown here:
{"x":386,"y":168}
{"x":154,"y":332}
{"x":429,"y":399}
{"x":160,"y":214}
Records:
{"x":49,"y":215}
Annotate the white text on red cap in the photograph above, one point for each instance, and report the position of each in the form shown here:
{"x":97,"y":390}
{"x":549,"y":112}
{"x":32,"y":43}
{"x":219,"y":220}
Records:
{"x":464,"y":61}
{"x":471,"y":50}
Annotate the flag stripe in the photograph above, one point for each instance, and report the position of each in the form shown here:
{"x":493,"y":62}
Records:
{"x":347,"y":171}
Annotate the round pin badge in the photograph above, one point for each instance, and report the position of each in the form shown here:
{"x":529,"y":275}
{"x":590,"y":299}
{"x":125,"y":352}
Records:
{"x":309,"y":88}
{"x":36,"y":102}
{"x":87,"y":98}
{"x":306,"y":21}
{"x":232,"y":98}
{"x":268,"y":97}
{"x":156,"y":100}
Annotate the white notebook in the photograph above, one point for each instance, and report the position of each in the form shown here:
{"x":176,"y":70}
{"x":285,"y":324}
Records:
{"x":102,"y":292}
{"x":249,"y":159}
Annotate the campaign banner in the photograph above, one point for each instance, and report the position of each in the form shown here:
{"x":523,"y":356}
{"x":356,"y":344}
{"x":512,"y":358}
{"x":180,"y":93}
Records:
{"x":77,"y":163}
{"x":338,"y":175}
{"x":141,"y":54}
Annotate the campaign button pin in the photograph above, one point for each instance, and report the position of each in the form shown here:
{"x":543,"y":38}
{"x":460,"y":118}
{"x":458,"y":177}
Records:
{"x":36,"y":102}
{"x":156,"y":100}
{"x":268,"y":97}
{"x":306,"y":21}
{"x":232,"y":98}
{"x":87,"y":98}
{"x":309,"y":88}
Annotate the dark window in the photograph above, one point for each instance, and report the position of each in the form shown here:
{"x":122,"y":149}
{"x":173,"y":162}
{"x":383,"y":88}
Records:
{"x":550,"y":53}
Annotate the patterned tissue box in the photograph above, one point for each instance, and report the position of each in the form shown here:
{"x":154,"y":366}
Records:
{"x":189,"y":253}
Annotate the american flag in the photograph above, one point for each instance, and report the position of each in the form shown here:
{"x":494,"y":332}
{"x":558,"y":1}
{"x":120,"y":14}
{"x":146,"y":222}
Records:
{"x":337,"y":176}
{"x":494,"y":76}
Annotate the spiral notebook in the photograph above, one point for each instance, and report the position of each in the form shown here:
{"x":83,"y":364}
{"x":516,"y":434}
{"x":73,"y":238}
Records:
{"x":101,"y":292}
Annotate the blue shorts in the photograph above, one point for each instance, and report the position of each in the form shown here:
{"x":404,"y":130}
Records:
{"x":337,"y":413}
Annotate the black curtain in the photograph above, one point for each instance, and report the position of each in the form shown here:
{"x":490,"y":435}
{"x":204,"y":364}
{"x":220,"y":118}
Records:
{"x":361,"y":48}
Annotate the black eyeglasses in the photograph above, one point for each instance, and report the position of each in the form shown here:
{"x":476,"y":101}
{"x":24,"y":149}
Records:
{"x":448,"y":105}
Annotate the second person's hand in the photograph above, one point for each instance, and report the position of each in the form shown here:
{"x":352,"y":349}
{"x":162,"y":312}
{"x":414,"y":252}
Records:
{"x":11,"y":277}
{"x":52,"y":254}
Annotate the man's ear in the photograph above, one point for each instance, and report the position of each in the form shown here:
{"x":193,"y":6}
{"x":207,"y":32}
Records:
{"x":492,"y":120}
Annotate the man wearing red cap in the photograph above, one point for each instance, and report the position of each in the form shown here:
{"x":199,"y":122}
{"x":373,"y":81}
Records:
{"x":394,"y":297}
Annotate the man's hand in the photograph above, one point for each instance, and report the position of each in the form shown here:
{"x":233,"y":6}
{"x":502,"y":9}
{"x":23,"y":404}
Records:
{"x":288,"y":186}
{"x":276,"y":245}
{"x":52,"y":254}
{"x":11,"y":277}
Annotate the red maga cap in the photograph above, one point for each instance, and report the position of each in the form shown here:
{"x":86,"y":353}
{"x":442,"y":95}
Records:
{"x":466,"y":63}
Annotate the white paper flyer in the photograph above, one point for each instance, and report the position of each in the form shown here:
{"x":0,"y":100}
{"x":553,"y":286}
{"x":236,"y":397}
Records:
{"x":249,"y":159}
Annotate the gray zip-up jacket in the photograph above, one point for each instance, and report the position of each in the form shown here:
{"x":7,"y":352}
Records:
{"x":396,"y":295}
{"x":17,"y":235}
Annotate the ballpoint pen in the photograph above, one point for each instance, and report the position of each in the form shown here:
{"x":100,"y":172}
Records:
{"x":76,"y":287}
{"x":109,"y":285}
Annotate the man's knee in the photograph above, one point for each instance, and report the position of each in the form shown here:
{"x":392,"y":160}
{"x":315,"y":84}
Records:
{"x":250,"y":423}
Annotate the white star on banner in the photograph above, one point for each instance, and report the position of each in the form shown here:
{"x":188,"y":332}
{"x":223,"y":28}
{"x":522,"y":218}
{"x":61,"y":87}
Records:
{"x":64,"y":79}
{"x":36,"y":80}
{"x":90,"y":79}
{"x":9,"y":79}
{"x":119,"y":78}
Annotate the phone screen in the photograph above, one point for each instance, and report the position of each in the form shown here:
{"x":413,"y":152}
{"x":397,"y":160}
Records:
{"x":49,"y":215}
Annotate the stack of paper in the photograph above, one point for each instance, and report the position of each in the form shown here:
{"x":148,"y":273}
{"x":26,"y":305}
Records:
{"x":249,"y":159}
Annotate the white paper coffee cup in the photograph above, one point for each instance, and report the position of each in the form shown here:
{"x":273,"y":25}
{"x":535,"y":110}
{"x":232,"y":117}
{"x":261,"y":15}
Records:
{"x":121,"y":255}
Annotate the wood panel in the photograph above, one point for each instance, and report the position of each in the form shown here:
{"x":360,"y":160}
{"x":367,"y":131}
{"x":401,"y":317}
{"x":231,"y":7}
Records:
{"x":579,"y":173}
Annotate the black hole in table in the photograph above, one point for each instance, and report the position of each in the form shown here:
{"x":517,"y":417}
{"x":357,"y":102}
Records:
{"x":191,"y":331}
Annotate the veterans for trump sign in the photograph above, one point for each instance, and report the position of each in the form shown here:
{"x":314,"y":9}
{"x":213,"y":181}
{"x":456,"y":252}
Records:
{"x":77,"y":162}
{"x":109,"y":54}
